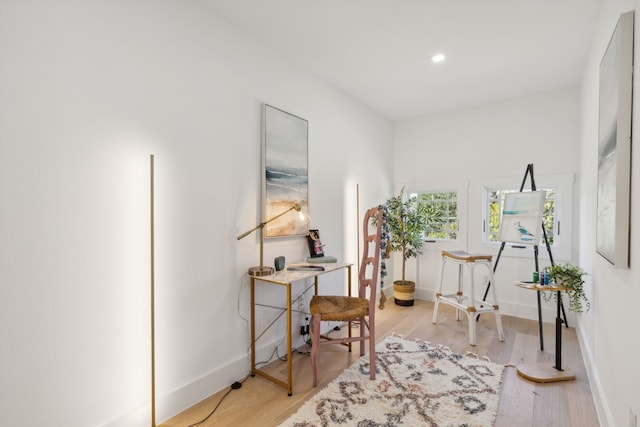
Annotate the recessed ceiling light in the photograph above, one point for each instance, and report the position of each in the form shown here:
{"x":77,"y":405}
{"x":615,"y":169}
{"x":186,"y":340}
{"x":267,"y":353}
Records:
{"x":437,"y":58}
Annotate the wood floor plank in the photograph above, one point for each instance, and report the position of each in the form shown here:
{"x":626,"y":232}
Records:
{"x":516,"y":394}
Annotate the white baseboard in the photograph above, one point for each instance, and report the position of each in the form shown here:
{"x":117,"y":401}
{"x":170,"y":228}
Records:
{"x":171,"y":404}
{"x":599,"y":399}
{"x":203,"y":387}
{"x":177,"y":401}
{"x":138,"y":417}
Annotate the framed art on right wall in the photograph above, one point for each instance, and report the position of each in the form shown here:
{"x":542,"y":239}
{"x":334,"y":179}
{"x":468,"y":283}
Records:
{"x":614,"y":145}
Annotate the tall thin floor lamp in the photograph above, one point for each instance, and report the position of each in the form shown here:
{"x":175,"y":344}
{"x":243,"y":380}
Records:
{"x":153,"y":314}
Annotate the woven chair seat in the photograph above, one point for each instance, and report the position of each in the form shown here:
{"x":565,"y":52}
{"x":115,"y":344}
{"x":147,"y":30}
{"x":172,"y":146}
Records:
{"x":339,"y":308}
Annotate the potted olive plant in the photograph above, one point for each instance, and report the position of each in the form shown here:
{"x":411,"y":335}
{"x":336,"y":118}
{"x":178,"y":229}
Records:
{"x":571,"y":277}
{"x":407,"y":220}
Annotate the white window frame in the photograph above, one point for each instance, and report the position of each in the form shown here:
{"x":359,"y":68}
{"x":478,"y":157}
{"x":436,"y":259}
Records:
{"x":461,"y":188}
{"x":562,"y":248}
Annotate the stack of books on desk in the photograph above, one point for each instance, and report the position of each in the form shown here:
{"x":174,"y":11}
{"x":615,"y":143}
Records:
{"x":302,"y":267}
{"x":322,"y":259}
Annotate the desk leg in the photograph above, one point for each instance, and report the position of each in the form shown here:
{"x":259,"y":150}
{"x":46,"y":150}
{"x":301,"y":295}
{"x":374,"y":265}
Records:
{"x":255,"y":371}
{"x":253,"y":327}
{"x":349,"y":293}
{"x":289,"y":343}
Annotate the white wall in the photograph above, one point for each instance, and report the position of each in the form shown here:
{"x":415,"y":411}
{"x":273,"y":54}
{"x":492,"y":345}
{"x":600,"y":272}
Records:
{"x":89,"y":90}
{"x":609,"y":332}
{"x":486,"y":144}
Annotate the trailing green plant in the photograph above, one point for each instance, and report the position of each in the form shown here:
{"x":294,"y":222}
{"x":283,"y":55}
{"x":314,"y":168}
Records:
{"x":407,"y":220}
{"x":570,"y":277}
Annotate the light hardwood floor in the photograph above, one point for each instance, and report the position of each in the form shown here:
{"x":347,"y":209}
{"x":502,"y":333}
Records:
{"x":522,"y":402}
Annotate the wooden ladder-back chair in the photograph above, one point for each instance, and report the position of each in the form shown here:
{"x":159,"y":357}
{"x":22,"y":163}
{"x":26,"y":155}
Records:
{"x":353,"y":309}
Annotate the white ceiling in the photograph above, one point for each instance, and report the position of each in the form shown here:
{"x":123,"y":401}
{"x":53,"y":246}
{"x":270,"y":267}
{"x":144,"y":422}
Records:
{"x":378,"y":51}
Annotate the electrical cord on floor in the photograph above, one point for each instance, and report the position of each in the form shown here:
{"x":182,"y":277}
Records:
{"x":236,"y":385}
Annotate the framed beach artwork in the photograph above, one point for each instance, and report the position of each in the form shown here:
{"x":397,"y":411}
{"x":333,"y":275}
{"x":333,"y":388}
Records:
{"x":285,"y":172}
{"x":614,"y":145}
{"x":521,"y":220}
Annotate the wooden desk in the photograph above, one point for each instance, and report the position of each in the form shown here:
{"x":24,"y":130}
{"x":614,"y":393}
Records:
{"x":286,"y":278}
{"x":546,"y":372}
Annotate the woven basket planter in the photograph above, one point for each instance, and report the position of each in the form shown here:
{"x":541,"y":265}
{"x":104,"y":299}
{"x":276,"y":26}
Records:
{"x":403,"y":292}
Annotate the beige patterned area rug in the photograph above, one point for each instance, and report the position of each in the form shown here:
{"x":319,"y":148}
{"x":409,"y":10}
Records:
{"x":417,"y":384}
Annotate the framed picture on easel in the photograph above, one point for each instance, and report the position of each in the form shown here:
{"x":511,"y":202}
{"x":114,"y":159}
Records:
{"x":521,"y":220}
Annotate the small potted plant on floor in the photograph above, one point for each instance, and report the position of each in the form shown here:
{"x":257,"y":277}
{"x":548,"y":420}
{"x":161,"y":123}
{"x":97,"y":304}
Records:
{"x":571,"y":277}
{"x":407,"y":219}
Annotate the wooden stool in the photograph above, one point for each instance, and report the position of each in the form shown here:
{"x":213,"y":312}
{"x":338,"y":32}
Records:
{"x":468,"y":304}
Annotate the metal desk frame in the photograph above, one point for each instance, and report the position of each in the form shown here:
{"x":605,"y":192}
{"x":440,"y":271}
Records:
{"x":286,"y":278}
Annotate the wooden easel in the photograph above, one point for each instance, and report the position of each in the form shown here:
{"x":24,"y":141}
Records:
{"x":529,"y":172}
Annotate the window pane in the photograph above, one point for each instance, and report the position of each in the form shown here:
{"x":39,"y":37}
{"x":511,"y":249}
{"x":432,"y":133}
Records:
{"x":444,"y":209}
{"x":495,"y":203}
